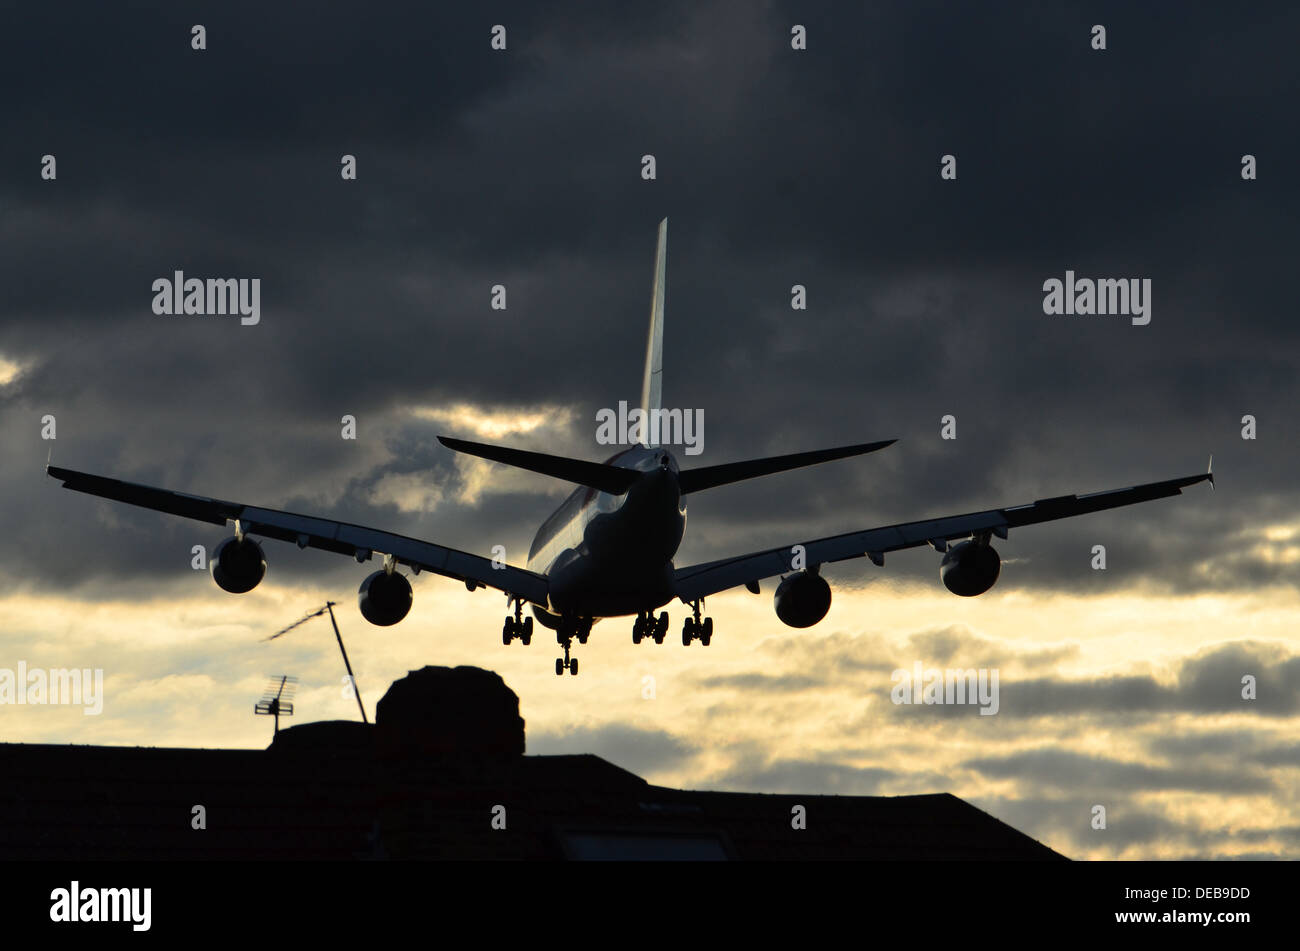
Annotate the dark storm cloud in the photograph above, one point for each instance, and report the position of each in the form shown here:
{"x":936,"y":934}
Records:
{"x":522,"y":168}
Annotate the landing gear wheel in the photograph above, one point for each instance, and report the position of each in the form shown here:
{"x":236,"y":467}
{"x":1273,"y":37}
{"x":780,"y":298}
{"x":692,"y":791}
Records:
{"x":694,"y":627}
{"x":516,"y":627}
{"x":661,"y":628}
{"x":564,"y":635}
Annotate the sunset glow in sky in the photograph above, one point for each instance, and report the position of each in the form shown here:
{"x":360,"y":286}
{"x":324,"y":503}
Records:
{"x":1120,"y":688}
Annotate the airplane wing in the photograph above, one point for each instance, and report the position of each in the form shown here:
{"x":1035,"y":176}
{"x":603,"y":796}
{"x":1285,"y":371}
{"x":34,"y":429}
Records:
{"x":698,"y":581}
{"x":306,"y":531}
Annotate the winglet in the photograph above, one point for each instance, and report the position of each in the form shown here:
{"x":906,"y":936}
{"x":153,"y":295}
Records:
{"x":1209,"y":471}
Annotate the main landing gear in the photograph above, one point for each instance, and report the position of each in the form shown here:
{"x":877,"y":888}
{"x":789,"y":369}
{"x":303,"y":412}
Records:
{"x":694,"y":629}
{"x":647,"y":626}
{"x":569,"y":629}
{"x":517,"y":626}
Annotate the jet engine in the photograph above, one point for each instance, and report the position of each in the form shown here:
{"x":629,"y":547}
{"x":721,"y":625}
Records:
{"x":238,"y":565}
{"x":802,"y":599}
{"x":970,"y":568}
{"x":385,"y":598}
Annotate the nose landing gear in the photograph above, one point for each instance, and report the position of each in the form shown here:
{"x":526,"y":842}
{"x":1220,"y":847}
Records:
{"x":569,"y":629}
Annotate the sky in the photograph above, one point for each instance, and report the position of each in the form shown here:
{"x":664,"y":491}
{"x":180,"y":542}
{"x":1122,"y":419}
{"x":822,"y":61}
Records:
{"x":522,"y":167}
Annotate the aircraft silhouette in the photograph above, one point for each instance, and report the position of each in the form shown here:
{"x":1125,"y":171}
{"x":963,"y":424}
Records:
{"x":607,"y":551}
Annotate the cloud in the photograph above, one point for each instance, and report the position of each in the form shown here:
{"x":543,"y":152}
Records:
{"x":776,"y":167}
{"x":639,"y":750}
{"x":1064,"y":770}
{"x":1210,"y":682}
{"x":779,"y":775}
{"x":761,"y":682}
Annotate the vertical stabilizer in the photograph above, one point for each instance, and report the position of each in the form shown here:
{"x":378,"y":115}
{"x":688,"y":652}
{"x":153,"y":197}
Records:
{"x":652,"y":381}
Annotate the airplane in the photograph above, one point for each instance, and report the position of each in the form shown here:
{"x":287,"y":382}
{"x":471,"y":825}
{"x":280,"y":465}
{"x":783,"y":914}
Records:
{"x":608,"y":550}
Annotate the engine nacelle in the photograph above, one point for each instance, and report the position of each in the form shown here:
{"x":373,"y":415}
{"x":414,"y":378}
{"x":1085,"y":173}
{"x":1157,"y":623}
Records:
{"x":802,"y":599}
{"x":238,"y":566}
{"x":385,"y":598}
{"x":970,"y":568}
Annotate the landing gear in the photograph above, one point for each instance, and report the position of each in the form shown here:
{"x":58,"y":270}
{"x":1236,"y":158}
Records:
{"x":646,"y":625}
{"x":695,"y":629}
{"x":566,"y":662}
{"x":517,"y":626}
{"x":569,"y":629}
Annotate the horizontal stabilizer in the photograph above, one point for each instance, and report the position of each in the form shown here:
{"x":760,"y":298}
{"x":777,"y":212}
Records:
{"x":708,"y":477}
{"x":596,"y":475}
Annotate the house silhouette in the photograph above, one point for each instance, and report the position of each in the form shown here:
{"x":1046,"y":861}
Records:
{"x":442,"y":774}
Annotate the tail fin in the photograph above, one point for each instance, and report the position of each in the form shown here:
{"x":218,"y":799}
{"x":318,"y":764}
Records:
{"x":652,"y":381}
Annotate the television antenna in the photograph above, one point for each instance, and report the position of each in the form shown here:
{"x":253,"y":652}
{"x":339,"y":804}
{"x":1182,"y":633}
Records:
{"x":328,"y":607}
{"x":276,"y":699}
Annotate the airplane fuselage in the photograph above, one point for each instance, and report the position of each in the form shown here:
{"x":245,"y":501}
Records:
{"x":611,"y":555}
